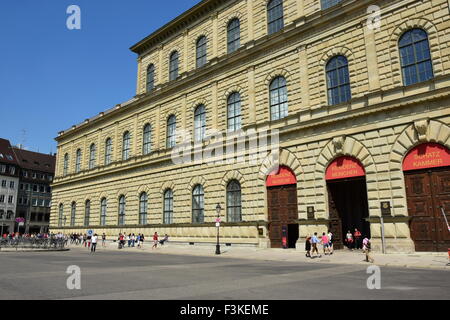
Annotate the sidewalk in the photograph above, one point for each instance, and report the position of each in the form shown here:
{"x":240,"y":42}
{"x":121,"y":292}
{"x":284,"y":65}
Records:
{"x":416,"y":260}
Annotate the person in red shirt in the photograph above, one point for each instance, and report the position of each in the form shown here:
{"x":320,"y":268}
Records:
{"x":155,"y":241}
{"x":358,"y":237}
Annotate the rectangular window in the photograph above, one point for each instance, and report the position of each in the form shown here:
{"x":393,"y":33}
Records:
{"x":3,"y":168}
{"x":10,"y":199}
{"x":3,"y":183}
{"x":34,"y":202}
{"x":11,"y":184}
{"x":35,"y":188}
{"x":2,"y":198}
{"x":12,"y":170}
{"x":41,"y":189}
{"x":329,"y":3}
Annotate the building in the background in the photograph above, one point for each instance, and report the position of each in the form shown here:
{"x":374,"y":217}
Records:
{"x":34,"y":191}
{"x":9,"y":179}
{"x":359,"y":92}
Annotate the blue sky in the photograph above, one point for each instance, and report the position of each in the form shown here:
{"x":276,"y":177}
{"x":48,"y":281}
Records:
{"x":52,"y":77}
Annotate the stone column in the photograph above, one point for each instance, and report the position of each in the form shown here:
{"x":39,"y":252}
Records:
{"x":304,"y":77}
{"x":251,"y":95}
{"x":214,"y":107}
{"x":371,"y":57}
{"x":251,"y":32}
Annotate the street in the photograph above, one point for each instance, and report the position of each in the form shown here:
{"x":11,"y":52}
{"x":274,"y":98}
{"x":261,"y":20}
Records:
{"x":156,"y":276}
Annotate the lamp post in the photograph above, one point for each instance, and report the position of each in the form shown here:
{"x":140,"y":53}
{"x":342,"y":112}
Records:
{"x":218,"y":209}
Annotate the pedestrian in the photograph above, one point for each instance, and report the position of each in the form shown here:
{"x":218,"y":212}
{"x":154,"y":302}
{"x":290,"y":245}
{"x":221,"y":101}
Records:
{"x":133,"y":240}
{"x":315,"y":241}
{"x":138,"y":240}
{"x":155,"y":241}
{"x":94,"y":242}
{"x":357,"y":239}
{"x":367,"y":248}
{"x":308,"y":246}
{"x":325,"y":243}
{"x":142,"y":241}
{"x":349,"y":240}
{"x":103,"y":240}
{"x":129,"y":240}
{"x":330,"y":238}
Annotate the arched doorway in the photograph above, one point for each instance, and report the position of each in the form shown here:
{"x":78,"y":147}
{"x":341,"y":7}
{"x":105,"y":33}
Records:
{"x":427,"y":178}
{"x":347,"y":199}
{"x":282,"y":208}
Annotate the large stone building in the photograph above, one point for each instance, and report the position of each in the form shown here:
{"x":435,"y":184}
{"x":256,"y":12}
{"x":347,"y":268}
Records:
{"x":358,"y":91}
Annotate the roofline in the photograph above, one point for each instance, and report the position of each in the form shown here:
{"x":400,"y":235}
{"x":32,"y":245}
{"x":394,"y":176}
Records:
{"x":142,"y":45}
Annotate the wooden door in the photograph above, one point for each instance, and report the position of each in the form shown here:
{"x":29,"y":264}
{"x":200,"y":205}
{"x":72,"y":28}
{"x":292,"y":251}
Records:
{"x":426,"y":193}
{"x":283,"y":210}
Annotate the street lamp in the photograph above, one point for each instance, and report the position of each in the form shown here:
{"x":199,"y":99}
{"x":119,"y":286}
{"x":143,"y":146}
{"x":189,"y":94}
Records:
{"x":218,"y":209}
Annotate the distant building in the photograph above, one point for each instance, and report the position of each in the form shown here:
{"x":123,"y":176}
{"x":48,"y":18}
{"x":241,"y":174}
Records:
{"x":9,"y":179}
{"x":25,"y":190}
{"x":34,"y":195}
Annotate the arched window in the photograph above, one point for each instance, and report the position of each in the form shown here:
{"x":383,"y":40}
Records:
{"x":87,"y":213}
{"x":73,"y":214}
{"x":147,"y":139}
{"x":61,"y":215}
{"x":150,"y":77}
{"x":234,"y":118}
{"x":275,"y":15}
{"x":415,"y":57}
{"x":126,"y":146}
{"x":78,"y":161}
{"x":168,"y":207}
{"x":278,"y":99}
{"x":200,"y":123}
{"x":234,"y":35}
{"x":201,"y":51}
{"x":103,"y":207}
{"x":338,"y":80}
{"x":108,"y":151}
{"x":143,"y":205}
{"x":173,"y":66}
{"x":198,"y":205}
{"x":234,"y":203}
{"x":122,"y":211}
{"x":329,"y":3}
{"x":92,"y":156}
{"x":171,"y":131}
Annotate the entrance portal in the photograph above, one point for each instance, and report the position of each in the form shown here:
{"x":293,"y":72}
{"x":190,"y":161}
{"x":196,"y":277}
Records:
{"x":427,"y":179}
{"x":347,"y":199}
{"x":283,"y":208}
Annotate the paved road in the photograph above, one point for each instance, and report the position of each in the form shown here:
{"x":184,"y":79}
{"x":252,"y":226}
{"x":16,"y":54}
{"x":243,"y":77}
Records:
{"x":135,"y":275}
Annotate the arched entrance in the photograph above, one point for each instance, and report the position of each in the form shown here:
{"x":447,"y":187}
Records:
{"x":347,"y":199}
{"x":427,"y":179}
{"x":282,"y":208}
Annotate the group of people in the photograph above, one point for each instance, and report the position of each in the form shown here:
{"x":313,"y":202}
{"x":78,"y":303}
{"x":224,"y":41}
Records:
{"x":352,"y":241}
{"x":132,"y":240}
{"x":87,"y":241}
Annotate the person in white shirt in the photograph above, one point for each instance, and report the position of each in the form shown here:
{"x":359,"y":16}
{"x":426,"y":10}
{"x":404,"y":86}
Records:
{"x":94,"y":240}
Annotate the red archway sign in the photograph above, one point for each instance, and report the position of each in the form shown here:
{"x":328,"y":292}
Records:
{"x":426,"y":156}
{"x":283,"y":177}
{"x":344,"y":168}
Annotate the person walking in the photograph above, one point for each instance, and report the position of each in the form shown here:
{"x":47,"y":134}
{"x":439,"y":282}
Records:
{"x":133,"y":240}
{"x":103,"y":240}
{"x":367,"y":249}
{"x":94,"y":240}
{"x":308,"y":246}
{"x":142,"y":241}
{"x":325,"y":243}
{"x":129,"y":240}
{"x":330,"y":238}
{"x":155,"y":241}
{"x":315,"y":241}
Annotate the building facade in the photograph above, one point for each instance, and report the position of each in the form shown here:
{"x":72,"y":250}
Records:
{"x":353,"y":97}
{"x":34,"y":192}
{"x":9,"y":178}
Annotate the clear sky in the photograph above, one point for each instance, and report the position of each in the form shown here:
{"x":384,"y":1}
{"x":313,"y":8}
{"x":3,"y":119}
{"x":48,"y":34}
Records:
{"x":52,"y":78}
